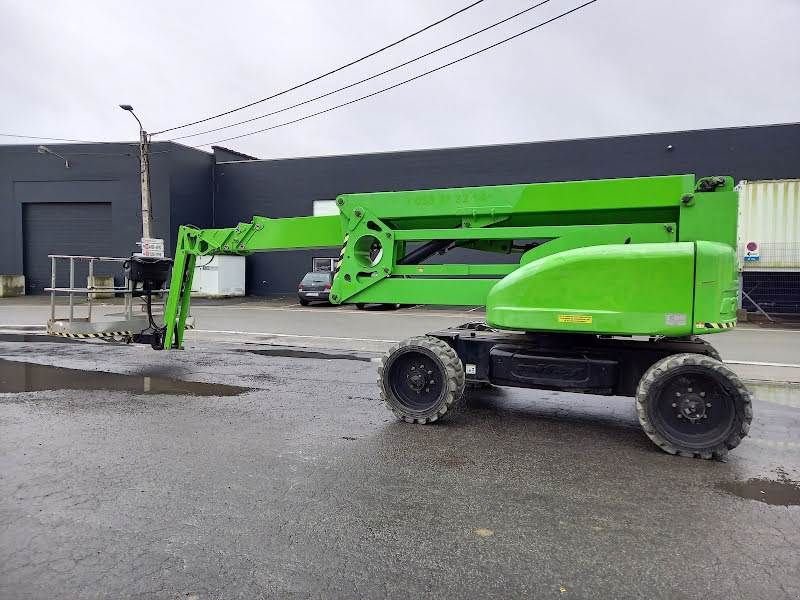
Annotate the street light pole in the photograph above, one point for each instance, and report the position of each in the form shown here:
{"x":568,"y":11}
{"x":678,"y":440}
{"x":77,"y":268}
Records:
{"x":144,"y":168}
{"x":144,"y":171}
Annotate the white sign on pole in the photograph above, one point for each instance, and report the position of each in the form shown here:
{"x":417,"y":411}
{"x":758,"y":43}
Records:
{"x":153,"y":247}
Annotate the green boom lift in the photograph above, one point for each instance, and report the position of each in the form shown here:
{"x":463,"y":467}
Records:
{"x":615,"y":279}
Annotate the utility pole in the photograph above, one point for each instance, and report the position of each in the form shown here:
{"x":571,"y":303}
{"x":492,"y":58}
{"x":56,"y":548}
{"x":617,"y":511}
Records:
{"x":144,"y":168}
{"x":144,"y":171}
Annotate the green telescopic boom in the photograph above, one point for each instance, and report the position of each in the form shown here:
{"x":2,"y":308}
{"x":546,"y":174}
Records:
{"x":639,"y":256}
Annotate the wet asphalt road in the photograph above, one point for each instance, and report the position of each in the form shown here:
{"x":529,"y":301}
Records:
{"x":306,"y":487}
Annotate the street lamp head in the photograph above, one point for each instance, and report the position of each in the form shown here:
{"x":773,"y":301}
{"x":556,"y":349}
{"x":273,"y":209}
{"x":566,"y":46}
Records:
{"x":46,"y":150}
{"x":129,"y":108}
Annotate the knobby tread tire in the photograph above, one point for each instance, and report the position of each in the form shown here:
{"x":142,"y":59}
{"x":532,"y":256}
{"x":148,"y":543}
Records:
{"x":742,"y":405}
{"x":476,"y":386}
{"x":711,"y":351}
{"x":453,"y":375}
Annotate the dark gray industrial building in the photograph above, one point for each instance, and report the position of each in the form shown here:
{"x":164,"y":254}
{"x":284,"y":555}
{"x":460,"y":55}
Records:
{"x":92,"y":206}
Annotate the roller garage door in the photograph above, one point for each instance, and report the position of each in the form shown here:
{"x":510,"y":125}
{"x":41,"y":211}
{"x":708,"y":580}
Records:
{"x":63,"y":228}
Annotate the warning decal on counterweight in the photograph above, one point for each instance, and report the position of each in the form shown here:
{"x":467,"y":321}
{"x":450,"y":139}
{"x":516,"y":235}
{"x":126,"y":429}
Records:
{"x":574,"y":318}
{"x":675,"y":318}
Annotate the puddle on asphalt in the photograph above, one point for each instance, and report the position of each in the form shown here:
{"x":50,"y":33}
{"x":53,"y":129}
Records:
{"x":295,"y":353}
{"x":777,"y":393}
{"x":34,"y":338}
{"x":28,"y":377}
{"x":780,"y":492}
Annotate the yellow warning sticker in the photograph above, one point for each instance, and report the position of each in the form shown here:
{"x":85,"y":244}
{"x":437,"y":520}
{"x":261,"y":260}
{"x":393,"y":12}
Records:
{"x":574,"y":318}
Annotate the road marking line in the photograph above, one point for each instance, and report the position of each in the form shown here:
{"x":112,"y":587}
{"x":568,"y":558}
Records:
{"x":290,"y":335}
{"x":765,"y":329}
{"x":789,"y":403}
{"x":773,"y":444}
{"x":761,"y":364}
{"x":399,"y":312}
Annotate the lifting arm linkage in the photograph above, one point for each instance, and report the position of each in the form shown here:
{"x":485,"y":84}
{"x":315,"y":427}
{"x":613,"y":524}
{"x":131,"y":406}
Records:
{"x":258,"y":235}
{"x":177,"y":307}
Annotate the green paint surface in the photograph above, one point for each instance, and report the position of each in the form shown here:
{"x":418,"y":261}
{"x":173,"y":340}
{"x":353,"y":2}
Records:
{"x":649,"y":255}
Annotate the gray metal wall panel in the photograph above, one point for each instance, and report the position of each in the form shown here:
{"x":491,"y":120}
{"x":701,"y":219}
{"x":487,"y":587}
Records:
{"x":27,"y":176}
{"x":191,"y":190}
{"x":63,"y":228}
{"x":288,"y":187}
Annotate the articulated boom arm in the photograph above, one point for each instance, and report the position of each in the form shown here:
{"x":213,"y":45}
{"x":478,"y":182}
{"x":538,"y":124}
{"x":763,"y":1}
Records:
{"x":261,"y":234}
{"x":651,"y":256}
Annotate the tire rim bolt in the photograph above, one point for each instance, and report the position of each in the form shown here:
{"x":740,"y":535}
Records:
{"x":708,"y":404}
{"x":674,"y":405}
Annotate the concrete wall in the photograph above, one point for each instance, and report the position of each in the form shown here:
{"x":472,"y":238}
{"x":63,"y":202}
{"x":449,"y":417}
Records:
{"x":279,"y":188}
{"x":180,"y":182}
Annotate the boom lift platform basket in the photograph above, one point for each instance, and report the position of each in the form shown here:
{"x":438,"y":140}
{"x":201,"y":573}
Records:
{"x":79,"y":317}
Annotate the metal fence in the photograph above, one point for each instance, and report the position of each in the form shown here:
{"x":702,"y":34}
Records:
{"x":769,"y":248}
{"x":771,"y":294}
{"x":770,"y":256}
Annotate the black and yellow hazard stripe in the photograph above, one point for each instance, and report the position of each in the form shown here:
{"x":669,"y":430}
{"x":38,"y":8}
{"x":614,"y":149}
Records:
{"x":715,"y":325}
{"x":100,"y":334}
{"x":341,"y":255}
{"x":88,"y":336}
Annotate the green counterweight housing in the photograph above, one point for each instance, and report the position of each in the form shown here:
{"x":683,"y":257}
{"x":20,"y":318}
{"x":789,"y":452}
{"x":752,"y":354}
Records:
{"x":637,"y":256}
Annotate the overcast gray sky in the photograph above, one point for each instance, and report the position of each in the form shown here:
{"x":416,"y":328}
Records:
{"x":615,"y":67}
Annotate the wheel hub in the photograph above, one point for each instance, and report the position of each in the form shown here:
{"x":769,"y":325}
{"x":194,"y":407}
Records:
{"x":693,"y":407}
{"x":416,"y":379}
{"x":691,"y":404}
{"x":419,"y":378}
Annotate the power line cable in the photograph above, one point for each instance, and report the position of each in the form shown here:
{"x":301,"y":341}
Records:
{"x":396,"y":85}
{"x":389,"y":70}
{"x":53,"y":139}
{"x":318,"y":77}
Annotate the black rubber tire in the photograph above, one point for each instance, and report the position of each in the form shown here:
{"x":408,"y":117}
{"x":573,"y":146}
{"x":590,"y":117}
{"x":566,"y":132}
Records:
{"x":479,"y":386}
{"x":360,"y":305}
{"x":451,"y":372}
{"x":652,"y":384}
{"x":304,"y":302}
{"x":711,"y":351}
